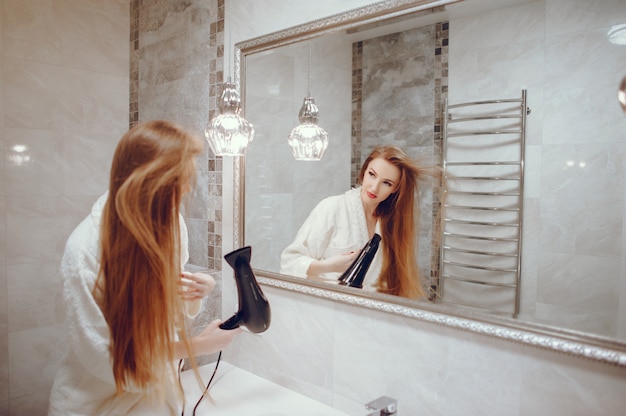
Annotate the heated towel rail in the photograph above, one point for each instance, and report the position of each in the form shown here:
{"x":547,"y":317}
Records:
{"x":483,"y":162}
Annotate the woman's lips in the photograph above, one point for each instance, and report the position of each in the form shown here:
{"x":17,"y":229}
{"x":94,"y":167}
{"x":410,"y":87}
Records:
{"x":370,"y":195}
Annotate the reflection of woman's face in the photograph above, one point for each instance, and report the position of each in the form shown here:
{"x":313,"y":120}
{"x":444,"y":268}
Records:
{"x":380,"y":180}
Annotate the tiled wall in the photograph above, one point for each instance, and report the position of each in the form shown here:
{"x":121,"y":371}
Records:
{"x":575,"y":151}
{"x":64,"y":89}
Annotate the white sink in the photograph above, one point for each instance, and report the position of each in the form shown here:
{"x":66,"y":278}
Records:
{"x":236,"y":392}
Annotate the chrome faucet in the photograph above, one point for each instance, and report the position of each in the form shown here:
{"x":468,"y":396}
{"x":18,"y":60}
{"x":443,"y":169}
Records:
{"x":383,"y":406}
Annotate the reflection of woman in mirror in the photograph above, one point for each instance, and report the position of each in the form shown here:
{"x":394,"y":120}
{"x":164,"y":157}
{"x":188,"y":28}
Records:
{"x":339,"y":226}
{"x":127,"y":297}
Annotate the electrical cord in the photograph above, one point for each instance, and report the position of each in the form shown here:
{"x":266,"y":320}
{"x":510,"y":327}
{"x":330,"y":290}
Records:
{"x":206,"y":389}
{"x":180,"y":369}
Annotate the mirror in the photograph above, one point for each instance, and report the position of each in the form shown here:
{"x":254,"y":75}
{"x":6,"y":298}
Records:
{"x":572,"y":283}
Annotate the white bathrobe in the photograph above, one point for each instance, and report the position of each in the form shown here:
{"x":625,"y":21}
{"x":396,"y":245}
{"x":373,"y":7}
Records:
{"x":84,"y":383}
{"x":336,"y":225}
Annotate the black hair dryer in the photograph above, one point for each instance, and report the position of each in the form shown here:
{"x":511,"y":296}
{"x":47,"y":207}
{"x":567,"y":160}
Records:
{"x":355,"y":275}
{"x":254,"y":309}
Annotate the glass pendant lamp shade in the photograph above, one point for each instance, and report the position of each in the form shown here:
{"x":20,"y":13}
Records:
{"x":308,"y":141}
{"x":229,"y":134}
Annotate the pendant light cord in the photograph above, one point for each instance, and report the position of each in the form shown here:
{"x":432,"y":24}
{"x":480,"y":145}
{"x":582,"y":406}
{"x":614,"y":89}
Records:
{"x":308,"y":77}
{"x":227,"y":47}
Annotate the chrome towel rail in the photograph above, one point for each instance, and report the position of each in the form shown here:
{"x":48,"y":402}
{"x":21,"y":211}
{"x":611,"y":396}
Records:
{"x":500,"y":224}
{"x":485,"y":193}
{"x":483,"y":132}
{"x":487,"y":178}
{"x":477,"y":237}
{"x":461,"y":279}
{"x":473,"y":266}
{"x":483,"y":161}
{"x":513,"y":163}
{"x":484,"y":253}
{"x":472,"y":103}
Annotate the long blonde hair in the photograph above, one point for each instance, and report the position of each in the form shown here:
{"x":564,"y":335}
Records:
{"x":399,"y":272}
{"x":137,"y":288}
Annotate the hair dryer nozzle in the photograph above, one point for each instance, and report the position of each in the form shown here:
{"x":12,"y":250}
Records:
{"x":254,"y":310}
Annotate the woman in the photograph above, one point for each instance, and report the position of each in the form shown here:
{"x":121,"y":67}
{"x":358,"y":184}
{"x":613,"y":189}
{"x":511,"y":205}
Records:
{"x":339,"y":226}
{"x":126,"y":294}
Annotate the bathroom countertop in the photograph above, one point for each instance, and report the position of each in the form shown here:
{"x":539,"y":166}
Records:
{"x":236,"y":392}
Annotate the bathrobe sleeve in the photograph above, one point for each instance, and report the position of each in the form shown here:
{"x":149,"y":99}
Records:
{"x":331,"y":229}
{"x":335,"y":226}
{"x":310,"y":242}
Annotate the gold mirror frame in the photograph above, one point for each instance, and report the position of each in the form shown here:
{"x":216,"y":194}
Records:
{"x":564,"y":341}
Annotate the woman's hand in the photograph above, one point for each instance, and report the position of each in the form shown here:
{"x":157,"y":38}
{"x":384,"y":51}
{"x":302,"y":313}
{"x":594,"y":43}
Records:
{"x":213,"y":339}
{"x":337,"y":264}
{"x":195,"y":286}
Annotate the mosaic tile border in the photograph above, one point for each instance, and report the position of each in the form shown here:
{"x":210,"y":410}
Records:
{"x":441,"y":94}
{"x":215,"y":164}
{"x":216,"y":79}
{"x":133,"y":117}
{"x":357,"y":105}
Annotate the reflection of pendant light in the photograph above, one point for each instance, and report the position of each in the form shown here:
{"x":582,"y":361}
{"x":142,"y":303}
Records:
{"x":228,"y":134}
{"x":308,"y":141}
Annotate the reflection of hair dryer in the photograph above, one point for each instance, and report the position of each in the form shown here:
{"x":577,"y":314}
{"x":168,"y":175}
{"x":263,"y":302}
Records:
{"x":254,"y":309}
{"x":355,"y":275}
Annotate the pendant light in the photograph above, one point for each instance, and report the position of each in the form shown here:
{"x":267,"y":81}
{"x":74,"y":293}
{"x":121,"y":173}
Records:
{"x":229,"y":133}
{"x":308,"y":141}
